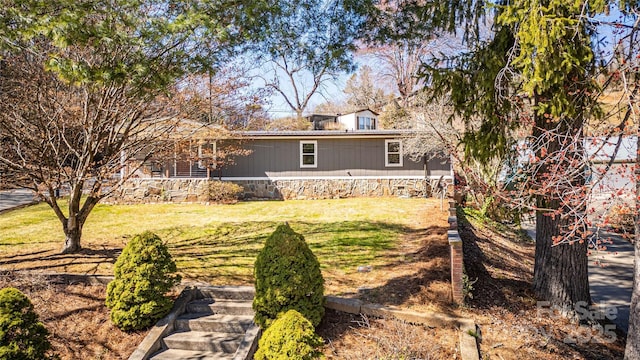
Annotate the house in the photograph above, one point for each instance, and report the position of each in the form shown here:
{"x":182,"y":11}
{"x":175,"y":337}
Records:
{"x":303,"y":165}
{"x":613,"y":162}
{"x":329,"y":164}
{"x":364,"y":119}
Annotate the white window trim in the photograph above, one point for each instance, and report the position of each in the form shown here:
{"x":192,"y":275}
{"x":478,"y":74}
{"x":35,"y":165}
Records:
{"x":202,"y":164}
{"x":386,"y":153}
{"x":315,"y":153}
{"x":372,"y":123}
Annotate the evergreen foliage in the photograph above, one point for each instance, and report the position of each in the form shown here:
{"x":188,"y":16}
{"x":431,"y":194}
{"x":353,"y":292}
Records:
{"x":533,"y":77}
{"x":22,"y":336}
{"x":287,"y":276}
{"x":290,"y":337}
{"x":144,"y":273}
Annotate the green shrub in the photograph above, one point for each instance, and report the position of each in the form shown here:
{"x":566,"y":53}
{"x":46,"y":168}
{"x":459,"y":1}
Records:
{"x":144,"y":273}
{"x":22,"y":336}
{"x":224,"y":192}
{"x":291,"y":336}
{"x":287,"y":276}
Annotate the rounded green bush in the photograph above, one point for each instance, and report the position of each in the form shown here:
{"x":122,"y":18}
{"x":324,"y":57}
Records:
{"x":287,"y":276}
{"x":22,"y":336}
{"x":290,"y":337}
{"x":144,"y":273}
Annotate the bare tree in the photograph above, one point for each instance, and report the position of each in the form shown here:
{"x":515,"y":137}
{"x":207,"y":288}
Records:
{"x":87,"y":85}
{"x":400,"y":62}
{"x":307,"y":43}
{"x":226,"y":96}
{"x":57,"y":135}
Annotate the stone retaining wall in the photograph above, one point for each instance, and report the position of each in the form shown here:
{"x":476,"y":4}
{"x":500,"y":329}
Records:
{"x":333,"y":188}
{"x":135,"y":191}
{"x":196,"y":190}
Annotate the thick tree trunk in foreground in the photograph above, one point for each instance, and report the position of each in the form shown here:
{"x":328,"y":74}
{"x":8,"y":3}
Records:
{"x":560,"y":273}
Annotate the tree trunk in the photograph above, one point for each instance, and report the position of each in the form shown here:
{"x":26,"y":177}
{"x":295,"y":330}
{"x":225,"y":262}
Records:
{"x":71,"y":242}
{"x":73,"y":233}
{"x":560,"y":273}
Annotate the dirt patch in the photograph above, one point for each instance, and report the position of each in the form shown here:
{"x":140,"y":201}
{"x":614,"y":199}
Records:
{"x":357,"y":337}
{"x":500,"y":263}
{"x":419,"y":276}
{"x":417,"y":279}
{"x":76,"y":317}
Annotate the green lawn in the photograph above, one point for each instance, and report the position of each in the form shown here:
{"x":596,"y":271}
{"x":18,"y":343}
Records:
{"x":216,"y":243}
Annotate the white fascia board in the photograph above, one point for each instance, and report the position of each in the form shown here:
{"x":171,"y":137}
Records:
{"x":273,"y":178}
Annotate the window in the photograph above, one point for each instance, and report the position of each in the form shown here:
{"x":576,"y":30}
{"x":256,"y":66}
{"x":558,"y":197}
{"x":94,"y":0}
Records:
{"x":207,"y":155}
{"x":308,"y":154}
{"x":366,"y":123}
{"x":392,"y":153}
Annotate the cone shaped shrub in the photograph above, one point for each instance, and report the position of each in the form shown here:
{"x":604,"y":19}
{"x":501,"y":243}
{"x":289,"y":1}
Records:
{"x":144,"y":273}
{"x":22,"y":336}
{"x":287,"y":276}
{"x":290,"y":337}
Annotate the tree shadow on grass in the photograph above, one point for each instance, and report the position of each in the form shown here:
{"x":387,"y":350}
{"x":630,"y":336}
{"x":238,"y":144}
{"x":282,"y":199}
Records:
{"x":90,"y":259}
{"x":338,"y":245}
{"x":429,"y":282}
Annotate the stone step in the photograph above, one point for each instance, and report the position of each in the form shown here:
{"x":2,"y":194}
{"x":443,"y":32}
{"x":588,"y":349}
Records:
{"x":204,"y":341}
{"x":226,"y":307}
{"x":227,"y":292}
{"x":174,"y":354}
{"x":237,"y":324}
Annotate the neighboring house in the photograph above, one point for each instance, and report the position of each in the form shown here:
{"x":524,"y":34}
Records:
{"x":609,"y":166}
{"x":316,"y":164}
{"x":620,"y":175}
{"x":364,"y":119}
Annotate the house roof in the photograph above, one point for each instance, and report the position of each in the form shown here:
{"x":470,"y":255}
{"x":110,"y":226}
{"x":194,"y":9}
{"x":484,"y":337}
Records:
{"x":361,"y":110}
{"x":306,"y":134}
{"x":333,"y":116}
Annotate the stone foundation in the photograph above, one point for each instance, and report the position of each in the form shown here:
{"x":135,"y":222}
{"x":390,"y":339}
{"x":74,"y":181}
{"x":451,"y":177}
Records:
{"x":136,"y":191}
{"x":333,"y":189}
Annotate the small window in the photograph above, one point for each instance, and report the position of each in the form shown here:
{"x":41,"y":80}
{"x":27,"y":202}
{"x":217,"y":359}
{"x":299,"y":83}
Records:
{"x":392,"y":153}
{"x":366,"y":123}
{"x":308,"y":154}
{"x":207,"y":155}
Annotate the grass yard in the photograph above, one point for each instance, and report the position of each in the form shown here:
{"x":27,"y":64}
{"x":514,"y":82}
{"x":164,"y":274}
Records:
{"x":218,"y":243}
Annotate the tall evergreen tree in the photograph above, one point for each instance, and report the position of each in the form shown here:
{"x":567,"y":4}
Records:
{"x":533,"y":73}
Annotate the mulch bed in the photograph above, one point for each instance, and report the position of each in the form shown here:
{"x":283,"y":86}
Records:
{"x":76,"y":317}
{"x":500,"y":265}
